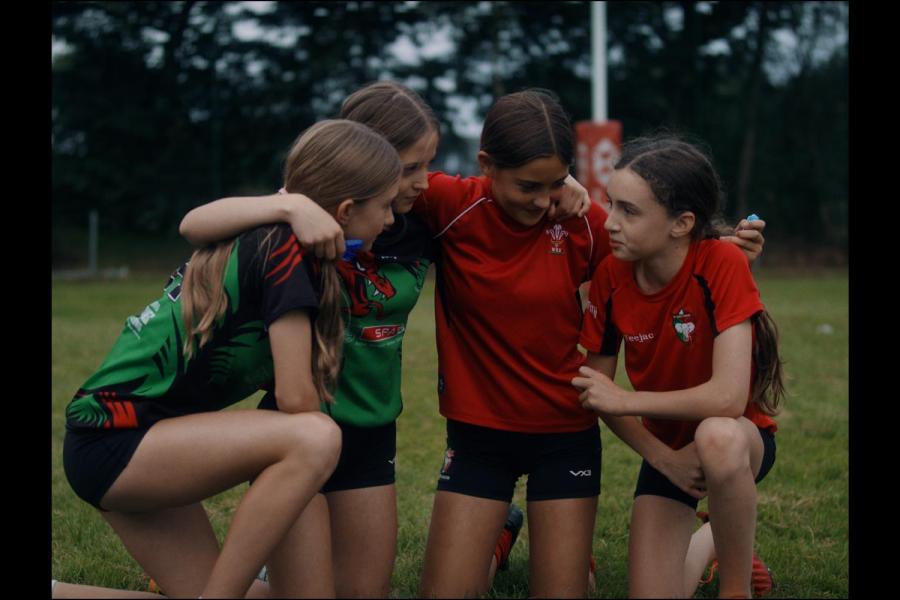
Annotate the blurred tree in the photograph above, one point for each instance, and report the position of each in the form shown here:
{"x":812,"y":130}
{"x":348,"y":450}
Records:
{"x":158,"y":106}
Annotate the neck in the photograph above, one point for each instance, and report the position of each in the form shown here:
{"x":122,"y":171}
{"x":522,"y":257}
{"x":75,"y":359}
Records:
{"x":653,"y":273}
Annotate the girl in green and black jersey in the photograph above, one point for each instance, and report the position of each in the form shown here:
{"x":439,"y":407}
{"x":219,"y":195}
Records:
{"x":146,"y":441}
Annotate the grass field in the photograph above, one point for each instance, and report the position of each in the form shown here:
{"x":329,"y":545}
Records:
{"x":803,"y":504}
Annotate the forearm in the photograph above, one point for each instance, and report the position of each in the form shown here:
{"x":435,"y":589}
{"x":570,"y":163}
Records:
{"x":711,"y":399}
{"x":226,"y":218}
{"x":637,"y":437}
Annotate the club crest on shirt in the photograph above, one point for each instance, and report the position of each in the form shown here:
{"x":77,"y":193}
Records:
{"x":448,"y":460}
{"x":557,"y":235}
{"x":684,"y":325}
{"x":367,"y":288}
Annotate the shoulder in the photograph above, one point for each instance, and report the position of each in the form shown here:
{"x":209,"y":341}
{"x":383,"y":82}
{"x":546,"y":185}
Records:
{"x":279,"y":233}
{"x":715,"y":255}
{"x":611,"y":275}
{"x":616,"y":272}
{"x":275,"y":248}
{"x":467,"y":187}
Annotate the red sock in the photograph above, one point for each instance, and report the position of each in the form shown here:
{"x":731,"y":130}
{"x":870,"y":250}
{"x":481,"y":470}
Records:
{"x":503,"y":546}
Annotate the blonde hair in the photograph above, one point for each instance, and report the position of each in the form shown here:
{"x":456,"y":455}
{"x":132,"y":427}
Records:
{"x":330,"y":162}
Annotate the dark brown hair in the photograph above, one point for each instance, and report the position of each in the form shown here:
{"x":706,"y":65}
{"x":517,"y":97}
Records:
{"x":682,"y":179}
{"x":329,"y":162}
{"x":525,"y":126}
{"x":393,"y":110}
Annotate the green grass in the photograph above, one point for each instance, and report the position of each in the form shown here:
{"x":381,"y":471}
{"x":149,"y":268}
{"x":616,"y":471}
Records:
{"x":803,"y":504}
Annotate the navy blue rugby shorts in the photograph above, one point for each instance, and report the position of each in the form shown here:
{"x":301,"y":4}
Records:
{"x":652,"y":482}
{"x":487,"y":463}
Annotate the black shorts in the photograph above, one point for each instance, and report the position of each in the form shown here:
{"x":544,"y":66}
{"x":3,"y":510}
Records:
{"x":653,"y":483}
{"x":367,"y":458}
{"x":94,"y":458}
{"x":367,"y":454}
{"x":486,"y":463}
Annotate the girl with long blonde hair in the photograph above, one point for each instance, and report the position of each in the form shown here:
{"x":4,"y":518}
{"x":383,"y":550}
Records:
{"x":146,"y":440}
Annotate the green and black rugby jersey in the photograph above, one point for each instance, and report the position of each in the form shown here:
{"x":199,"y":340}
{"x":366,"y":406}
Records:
{"x":146,"y":377}
{"x":380,"y":290}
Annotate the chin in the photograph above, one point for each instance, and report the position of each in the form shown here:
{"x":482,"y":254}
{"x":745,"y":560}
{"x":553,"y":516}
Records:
{"x":622,"y":254}
{"x":401,"y":207}
{"x":529,"y":219}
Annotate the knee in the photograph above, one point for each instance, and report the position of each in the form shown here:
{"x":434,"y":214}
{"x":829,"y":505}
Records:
{"x":317,"y":440}
{"x":721,"y":444}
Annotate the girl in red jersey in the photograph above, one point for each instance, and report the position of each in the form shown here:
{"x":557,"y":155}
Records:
{"x":702,"y":355}
{"x":508,"y":318}
{"x":362,"y":509}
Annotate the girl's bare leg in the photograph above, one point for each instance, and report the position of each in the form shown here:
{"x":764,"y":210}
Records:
{"x":730,"y":452}
{"x":699,"y":555}
{"x":364,"y":540}
{"x":560,"y":533}
{"x":461,"y":541}
{"x":75,"y":590}
{"x":657,"y":545}
{"x":183,"y":460}
{"x":176,"y":546}
{"x":300,"y":566}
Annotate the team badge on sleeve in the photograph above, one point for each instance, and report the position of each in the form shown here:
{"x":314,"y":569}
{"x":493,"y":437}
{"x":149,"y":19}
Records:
{"x":684,"y":325}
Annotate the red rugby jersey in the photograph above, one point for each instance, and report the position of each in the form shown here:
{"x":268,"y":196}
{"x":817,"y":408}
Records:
{"x":507,"y":308}
{"x":669,"y":335}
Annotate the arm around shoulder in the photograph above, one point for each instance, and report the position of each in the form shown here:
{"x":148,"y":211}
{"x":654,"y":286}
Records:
{"x":314,"y":227}
{"x":228,"y":217}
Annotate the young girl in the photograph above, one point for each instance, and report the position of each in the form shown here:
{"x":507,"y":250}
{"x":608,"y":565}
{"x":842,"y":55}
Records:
{"x":702,"y":355}
{"x":360,"y":497}
{"x":146,"y":441}
{"x":524,"y":134}
{"x":508,"y":319}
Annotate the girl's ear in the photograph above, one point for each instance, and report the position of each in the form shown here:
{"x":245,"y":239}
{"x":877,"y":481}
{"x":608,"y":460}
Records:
{"x":343,"y":212}
{"x":684,"y":224}
{"x":486,"y":164}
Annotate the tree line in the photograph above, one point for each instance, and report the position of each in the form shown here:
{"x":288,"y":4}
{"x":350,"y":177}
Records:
{"x":160,"y":106}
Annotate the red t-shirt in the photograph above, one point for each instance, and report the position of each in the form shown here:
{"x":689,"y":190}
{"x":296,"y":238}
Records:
{"x":669,"y":335}
{"x":507,"y":308}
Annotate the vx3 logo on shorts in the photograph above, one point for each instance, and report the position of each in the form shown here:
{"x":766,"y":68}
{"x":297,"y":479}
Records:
{"x":583,"y":473}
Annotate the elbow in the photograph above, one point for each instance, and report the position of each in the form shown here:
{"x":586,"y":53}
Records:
{"x":732,"y":404}
{"x":305,"y":399}
{"x":184,"y":230}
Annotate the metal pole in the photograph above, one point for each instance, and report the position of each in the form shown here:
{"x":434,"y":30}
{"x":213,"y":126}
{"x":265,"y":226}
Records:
{"x":92,"y":241}
{"x":598,"y":61}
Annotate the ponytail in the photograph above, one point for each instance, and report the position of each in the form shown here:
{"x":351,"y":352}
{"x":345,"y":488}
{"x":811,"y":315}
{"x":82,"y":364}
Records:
{"x":203,"y":295}
{"x":768,"y":381}
{"x":328,"y":334}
